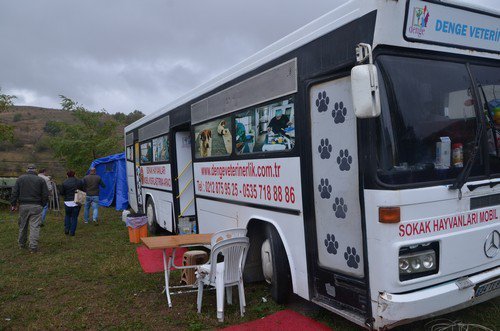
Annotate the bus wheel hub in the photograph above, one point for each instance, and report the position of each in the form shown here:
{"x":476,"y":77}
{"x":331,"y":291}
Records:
{"x":267,"y":261}
{"x":150,"y":214}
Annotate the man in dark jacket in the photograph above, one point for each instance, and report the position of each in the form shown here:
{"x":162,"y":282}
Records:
{"x":68,"y":189}
{"x":279,"y":122}
{"x":31,"y":194}
{"x":91,"y":184}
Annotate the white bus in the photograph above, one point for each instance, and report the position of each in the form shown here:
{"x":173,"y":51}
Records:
{"x":361,"y":152}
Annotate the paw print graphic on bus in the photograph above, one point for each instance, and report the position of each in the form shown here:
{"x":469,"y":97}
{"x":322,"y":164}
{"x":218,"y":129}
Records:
{"x":352,"y":258}
{"x":339,"y":112}
{"x":331,"y":244}
{"x":340,"y":208}
{"x":325,"y":149}
{"x":322,"y":102}
{"x":325,"y":188}
{"x":344,"y":160}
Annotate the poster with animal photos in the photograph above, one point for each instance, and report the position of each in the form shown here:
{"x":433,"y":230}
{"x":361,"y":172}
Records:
{"x":214,"y":138}
{"x":146,"y":153}
{"x":160,"y":149}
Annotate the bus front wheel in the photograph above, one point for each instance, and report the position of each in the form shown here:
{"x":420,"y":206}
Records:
{"x":150,"y":212}
{"x":275,"y":266}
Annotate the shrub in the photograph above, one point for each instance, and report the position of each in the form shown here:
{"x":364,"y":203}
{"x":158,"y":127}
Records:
{"x":53,"y":128}
{"x":17,"y":117}
{"x":18,"y":143}
{"x":42,"y":146}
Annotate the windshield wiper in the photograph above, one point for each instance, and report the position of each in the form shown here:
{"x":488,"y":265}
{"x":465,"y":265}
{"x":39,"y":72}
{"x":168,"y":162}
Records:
{"x":472,"y":187}
{"x":464,"y":175}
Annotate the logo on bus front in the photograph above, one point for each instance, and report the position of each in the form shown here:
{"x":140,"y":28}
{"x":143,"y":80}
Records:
{"x":419,"y":21}
{"x":492,"y":244}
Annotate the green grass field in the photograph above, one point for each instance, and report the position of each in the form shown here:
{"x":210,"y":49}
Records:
{"x":94,"y":281}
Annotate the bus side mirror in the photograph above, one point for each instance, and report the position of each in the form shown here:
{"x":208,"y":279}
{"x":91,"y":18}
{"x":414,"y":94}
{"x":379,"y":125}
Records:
{"x":365,"y":91}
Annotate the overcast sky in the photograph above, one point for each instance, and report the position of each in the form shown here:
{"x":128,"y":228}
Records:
{"x":123,"y":55}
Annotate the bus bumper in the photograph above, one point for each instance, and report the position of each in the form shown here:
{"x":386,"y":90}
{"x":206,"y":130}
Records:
{"x":396,"y":309}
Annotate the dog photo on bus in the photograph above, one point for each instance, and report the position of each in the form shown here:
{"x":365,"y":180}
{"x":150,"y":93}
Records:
{"x":226,"y":135}
{"x":214,"y":138}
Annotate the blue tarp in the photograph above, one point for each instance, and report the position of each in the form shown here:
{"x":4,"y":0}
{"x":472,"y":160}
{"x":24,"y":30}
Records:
{"x":113,"y":171}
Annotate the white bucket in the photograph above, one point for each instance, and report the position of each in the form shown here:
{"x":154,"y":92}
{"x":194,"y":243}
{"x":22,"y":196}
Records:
{"x":125,"y":213}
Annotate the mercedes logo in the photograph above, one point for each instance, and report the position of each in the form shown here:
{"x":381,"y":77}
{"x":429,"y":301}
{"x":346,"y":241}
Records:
{"x":492,"y":244}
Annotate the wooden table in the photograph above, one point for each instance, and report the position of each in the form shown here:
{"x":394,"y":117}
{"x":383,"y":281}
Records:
{"x":174,"y":242}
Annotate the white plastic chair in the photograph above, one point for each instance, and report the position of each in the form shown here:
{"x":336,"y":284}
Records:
{"x":223,"y":235}
{"x":224,"y":275}
{"x":227,"y":234}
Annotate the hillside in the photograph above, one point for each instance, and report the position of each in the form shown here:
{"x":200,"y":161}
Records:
{"x":31,"y":142}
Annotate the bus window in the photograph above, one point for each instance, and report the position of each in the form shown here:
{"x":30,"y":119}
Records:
{"x":432,"y":107}
{"x":160,"y":149}
{"x":146,"y":153}
{"x":266,"y":128}
{"x":214,"y":138}
{"x":130,"y":151}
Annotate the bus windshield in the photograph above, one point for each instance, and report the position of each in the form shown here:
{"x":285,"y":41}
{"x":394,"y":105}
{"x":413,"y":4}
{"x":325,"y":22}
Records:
{"x":428,"y":126}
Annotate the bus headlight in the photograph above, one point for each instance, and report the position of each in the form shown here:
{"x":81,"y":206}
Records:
{"x":404,"y":264}
{"x":418,"y":261}
{"x":428,"y":261}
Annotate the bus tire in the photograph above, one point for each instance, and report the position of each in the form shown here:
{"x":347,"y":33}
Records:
{"x":275,"y":266}
{"x":150,"y":212}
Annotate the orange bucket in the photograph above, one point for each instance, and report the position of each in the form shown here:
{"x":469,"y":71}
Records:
{"x":135,"y":235}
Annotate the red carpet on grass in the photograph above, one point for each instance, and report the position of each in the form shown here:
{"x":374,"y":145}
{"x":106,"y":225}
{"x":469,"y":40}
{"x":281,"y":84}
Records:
{"x":151,"y":260}
{"x":282,"y":320}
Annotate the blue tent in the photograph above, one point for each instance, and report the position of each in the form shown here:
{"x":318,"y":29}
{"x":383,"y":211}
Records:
{"x":113,"y":172}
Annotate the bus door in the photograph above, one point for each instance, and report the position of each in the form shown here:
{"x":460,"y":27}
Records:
{"x":184,"y":187}
{"x":132,"y":190}
{"x":338,"y":267}
{"x":138,"y":177}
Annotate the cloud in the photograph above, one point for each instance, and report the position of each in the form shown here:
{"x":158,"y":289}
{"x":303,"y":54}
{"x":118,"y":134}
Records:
{"x":123,"y":55}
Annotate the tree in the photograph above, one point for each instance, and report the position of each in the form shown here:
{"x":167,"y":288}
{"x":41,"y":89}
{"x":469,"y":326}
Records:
{"x":6,"y":131}
{"x":120,"y":117}
{"x":6,"y":101}
{"x":129,"y":118}
{"x":95,"y":135}
{"x":134,"y":116}
{"x":53,"y":128}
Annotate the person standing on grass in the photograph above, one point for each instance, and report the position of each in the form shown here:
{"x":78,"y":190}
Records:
{"x":91,"y":184}
{"x":71,"y":209}
{"x":30,"y":193}
{"x":43,"y":175}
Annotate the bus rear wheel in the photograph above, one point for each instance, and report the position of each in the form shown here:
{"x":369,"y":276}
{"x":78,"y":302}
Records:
{"x":150,"y":212}
{"x":275,"y":266}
